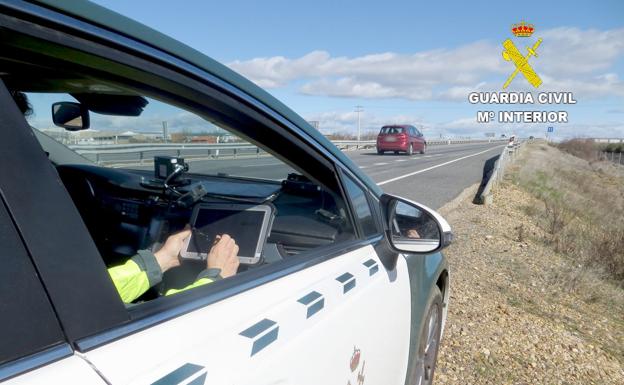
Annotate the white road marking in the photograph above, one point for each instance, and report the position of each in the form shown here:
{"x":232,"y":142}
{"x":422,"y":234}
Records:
{"x":261,"y":165}
{"x":363,"y":167}
{"x":401,"y":160}
{"x":380,"y":164}
{"x":427,"y":156}
{"x":436,"y":166}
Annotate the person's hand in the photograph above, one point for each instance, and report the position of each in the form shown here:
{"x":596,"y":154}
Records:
{"x":413,"y":233}
{"x":168,"y":254}
{"x":224,"y":255}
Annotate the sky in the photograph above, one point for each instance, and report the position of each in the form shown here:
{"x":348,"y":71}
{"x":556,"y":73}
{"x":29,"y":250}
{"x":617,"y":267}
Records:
{"x":410,"y":61}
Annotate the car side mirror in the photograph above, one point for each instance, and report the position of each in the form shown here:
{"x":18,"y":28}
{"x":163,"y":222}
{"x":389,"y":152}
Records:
{"x":414,"y":228}
{"x":71,"y":116}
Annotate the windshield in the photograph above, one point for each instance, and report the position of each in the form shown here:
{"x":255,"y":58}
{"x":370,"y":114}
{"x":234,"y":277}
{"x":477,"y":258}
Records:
{"x":161,"y":129}
{"x":392,"y":130}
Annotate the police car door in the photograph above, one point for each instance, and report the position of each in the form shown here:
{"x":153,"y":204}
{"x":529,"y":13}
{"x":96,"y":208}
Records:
{"x":339,"y":318}
{"x":348,"y":320}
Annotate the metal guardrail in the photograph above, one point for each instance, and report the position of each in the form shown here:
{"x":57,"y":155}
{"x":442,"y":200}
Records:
{"x":498,"y":172}
{"x":346,"y":144}
{"x":144,"y":152}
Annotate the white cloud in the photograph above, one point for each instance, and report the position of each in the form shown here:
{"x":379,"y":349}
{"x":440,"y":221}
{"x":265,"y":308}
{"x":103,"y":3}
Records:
{"x":277,"y":71}
{"x":346,"y":122}
{"x":584,"y":87}
{"x":570,"y":52}
{"x":354,"y":87}
{"x":177,"y":121}
{"x":569,"y":59}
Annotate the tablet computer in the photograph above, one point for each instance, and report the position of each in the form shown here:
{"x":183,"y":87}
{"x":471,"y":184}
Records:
{"x":249,"y":225}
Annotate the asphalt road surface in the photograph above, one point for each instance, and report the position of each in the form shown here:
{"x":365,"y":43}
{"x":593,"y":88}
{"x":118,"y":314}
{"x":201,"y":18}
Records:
{"x":433,"y":179}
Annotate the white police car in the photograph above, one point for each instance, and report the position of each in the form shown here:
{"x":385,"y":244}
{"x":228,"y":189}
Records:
{"x":338,"y":282}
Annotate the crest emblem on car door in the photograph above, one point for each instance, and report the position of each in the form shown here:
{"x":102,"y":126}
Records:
{"x":354,"y":365}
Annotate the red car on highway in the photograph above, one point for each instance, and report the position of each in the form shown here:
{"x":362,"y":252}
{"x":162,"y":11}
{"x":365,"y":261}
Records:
{"x":403,"y":138}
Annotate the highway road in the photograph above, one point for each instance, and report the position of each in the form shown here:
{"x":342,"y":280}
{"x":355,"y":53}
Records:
{"x":433,"y":179}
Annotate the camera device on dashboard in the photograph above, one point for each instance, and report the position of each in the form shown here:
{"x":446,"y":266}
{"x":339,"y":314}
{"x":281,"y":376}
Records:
{"x":168,"y":171}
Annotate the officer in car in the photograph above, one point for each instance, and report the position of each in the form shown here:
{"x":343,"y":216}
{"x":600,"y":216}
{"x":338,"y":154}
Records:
{"x":145,"y":269}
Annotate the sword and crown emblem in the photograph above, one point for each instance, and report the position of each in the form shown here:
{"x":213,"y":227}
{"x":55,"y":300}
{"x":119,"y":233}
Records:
{"x":522,"y":29}
{"x":511,"y":53}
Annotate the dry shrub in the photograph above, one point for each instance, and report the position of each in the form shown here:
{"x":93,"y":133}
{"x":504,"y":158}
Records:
{"x":531,"y":211}
{"x":556,"y":213}
{"x":609,"y":252}
{"x":582,"y":148}
{"x":581,"y":208}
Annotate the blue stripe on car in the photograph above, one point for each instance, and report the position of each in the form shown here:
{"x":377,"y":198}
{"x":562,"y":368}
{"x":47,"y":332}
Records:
{"x":201,"y":380}
{"x":370,"y":263}
{"x":255,"y":332}
{"x":314,"y":302}
{"x":372,"y":266}
{"x":309,"y":298}
{"x":315,"y":308}
{"x":257,"y":328}
{"x":180,"y":374}
{"x":264,"y":341}
{"x":348,"y":286}
{"x":347,"y":280}
{"x":344,"y":278}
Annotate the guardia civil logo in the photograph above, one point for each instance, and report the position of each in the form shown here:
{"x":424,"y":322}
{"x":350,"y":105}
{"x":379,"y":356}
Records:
{"x":521,"y":62}
{"x":512,"y":53}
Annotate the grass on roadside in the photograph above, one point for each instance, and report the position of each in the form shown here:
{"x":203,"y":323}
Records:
{"x":581,"y":210}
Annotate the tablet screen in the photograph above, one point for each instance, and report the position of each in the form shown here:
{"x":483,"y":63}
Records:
{"x":243,"y":225}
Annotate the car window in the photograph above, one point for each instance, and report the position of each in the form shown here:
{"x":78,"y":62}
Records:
{"x":392,"y":130}
{"x":28,"y":324}
{"x":132,"y":142}
{"x":131,"y":213}
{"x":361,"y":207}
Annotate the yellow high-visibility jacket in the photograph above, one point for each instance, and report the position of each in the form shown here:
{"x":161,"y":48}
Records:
{"x":142,"y":271}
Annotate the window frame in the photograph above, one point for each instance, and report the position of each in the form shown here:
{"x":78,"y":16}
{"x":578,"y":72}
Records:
{"x":146,"y":315}
{"x":33,"y":351}
{"x":373,"y":205}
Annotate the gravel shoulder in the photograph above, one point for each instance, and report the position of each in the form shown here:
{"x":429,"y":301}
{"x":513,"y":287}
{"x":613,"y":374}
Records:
{"x":520,"y":313}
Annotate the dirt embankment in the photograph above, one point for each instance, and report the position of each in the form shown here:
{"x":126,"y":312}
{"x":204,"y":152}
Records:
{"x":523,"y":308}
